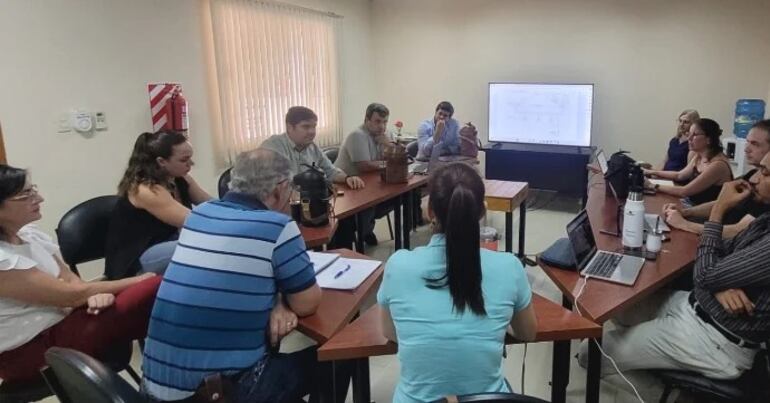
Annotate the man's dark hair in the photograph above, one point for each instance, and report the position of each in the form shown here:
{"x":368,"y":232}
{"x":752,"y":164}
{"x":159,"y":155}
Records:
{"x":446,"y":106}
{"x":763,"y":125}
{"x":379,"y":109}
{"x":297,"y":114}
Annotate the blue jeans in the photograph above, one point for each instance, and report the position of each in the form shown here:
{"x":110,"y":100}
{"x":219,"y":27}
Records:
{"x":157,"y":257}
{"x":278,"y":378}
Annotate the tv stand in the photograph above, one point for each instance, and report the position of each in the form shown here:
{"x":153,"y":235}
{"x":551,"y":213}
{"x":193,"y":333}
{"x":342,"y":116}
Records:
{"x":548,"y":167}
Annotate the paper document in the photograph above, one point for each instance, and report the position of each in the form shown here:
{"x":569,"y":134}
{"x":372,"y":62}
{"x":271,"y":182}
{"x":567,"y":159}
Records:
{"x":662,"y":182}
{"x":347,"y":274}
{"x":322,"y":260}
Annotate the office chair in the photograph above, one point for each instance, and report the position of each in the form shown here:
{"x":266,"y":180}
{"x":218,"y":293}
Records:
{"x":752,"y":386}
{"x":82,"y":233}
{"x":412,"y":148}
{"x":494,"y":398}
{"x":81,"y":378}
{"x":14,"y":392}
{"x":224,"y":183}
{"x":332,"y":152}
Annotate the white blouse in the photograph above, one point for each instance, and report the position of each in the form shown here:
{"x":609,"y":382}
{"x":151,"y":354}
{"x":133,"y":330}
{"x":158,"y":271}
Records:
{"x":20,"y":322}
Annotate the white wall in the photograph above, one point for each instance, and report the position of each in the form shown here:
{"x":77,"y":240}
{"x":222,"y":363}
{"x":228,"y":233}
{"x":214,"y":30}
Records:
{"x":649,"y":59}
{"x":99,"y":54}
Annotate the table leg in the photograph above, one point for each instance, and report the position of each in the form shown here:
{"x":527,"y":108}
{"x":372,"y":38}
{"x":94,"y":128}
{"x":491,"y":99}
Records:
{"x":560,"y":371}
{"x":397,"y":224}
{"x":359,"y":235}
{"x":509,"y":232}
{"x":407,"y":199}
{"x":593,"y":380}
{"x":361,"y":385}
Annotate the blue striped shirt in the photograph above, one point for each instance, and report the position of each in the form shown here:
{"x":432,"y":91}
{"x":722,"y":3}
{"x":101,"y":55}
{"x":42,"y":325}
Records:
{"x":213,"y":306}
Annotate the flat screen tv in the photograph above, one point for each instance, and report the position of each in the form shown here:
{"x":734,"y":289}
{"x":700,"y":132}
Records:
{"x":551,"y":114}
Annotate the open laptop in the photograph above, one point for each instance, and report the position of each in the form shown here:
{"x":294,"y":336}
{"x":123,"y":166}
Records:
{"x":609,"y":266}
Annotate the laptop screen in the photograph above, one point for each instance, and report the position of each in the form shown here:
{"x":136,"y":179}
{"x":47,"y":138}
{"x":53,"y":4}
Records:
{"x":602,"y":160}
{"x":581,"y":237}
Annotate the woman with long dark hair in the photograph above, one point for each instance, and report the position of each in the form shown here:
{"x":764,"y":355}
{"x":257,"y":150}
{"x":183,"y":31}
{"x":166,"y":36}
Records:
{"x":43,"y":303}
{"x":156,"y":195}
{"x":448,"y":304}
{"x":705,"y":173}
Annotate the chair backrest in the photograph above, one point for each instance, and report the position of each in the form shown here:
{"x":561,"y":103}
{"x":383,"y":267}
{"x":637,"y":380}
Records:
{"x":412,"y":149}
{"x":332,"y":153}
{"x":82,"y":231}
{"x":224,"y":182}
{"x":494,"y":398}
{"x":84,"y":379}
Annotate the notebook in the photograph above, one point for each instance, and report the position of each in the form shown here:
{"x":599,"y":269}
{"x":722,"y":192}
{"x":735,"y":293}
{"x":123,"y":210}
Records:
{"x":346,"y":274}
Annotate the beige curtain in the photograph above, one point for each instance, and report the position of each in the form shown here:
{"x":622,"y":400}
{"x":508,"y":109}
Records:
{"x":269,"y":57}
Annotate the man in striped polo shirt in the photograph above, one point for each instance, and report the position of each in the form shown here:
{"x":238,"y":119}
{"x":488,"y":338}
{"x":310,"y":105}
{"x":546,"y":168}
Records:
{"x":236,"y":283}
{"x":717,"y":328}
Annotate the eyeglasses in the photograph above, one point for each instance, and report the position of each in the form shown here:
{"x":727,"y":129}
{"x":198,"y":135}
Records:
{"x":26,"y":194}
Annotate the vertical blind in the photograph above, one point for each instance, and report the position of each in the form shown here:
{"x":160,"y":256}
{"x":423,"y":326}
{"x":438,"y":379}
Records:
{"x":269,"y":57}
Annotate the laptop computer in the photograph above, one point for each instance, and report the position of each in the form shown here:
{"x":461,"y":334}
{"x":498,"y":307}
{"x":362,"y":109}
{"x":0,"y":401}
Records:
{"x":608,"y":266}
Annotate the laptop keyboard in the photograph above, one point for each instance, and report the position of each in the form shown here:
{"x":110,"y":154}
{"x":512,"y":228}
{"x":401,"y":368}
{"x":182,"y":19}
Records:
{"x":603,"y":265}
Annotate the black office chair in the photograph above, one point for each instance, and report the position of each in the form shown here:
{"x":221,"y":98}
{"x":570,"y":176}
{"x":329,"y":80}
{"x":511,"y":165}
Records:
{"x":752,"y":386}
{"x":495,"y":398}
{"x":82,"y":233}
{"x":80,"y":378}
{"x":224,"y":182}
{"x":412,"y":148}
{"x":14,"y":392}
{"x":332,"y":152}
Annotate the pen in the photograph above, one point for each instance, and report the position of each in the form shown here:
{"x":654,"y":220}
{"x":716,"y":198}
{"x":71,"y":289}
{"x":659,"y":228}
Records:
{"x":657,"y":224}
{"x":341,"y":272}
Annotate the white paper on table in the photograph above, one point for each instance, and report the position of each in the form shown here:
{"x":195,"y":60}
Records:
{"x":662,"y":182}
{"x":322,"y":260}
{"x":360,"y":270}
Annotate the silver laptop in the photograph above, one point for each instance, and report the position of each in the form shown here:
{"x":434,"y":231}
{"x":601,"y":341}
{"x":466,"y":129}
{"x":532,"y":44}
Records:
{"x":609,"y":266}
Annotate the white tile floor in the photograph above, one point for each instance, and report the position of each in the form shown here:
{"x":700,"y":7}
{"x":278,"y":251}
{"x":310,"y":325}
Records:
{"x":544,"y":225}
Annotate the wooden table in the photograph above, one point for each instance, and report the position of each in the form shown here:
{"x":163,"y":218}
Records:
{"x":375,"y":192}
{"x":602,"y":300}
{"x":507,"y":196}
{"x":338,"y":307}
{"x":317,"y":237}
{"x":364,"y":338}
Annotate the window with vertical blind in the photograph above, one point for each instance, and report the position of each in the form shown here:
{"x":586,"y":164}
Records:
{"x":271,"y":56}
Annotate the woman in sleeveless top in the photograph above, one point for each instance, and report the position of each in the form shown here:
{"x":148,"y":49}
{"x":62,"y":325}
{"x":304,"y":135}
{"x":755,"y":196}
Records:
{"x":706,"y":172}
{"x":678,"y":148}
{"x":156,"y":194}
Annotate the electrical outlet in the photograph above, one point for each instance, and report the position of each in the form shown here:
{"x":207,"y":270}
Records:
{"x":101,"y":121}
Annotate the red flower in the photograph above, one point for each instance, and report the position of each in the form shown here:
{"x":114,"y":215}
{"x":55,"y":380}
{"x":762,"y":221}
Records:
{"x":399,"y":124}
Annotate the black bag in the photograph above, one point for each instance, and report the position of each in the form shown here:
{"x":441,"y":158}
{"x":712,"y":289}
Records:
{"x":618,"y":171}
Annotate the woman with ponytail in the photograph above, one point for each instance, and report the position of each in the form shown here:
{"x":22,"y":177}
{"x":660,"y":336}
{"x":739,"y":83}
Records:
{"x":448,"y":304}
{"x":156,"y":195}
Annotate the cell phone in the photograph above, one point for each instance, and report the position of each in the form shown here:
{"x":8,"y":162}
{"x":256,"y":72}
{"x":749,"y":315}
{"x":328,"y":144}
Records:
{"x":340,"y":192}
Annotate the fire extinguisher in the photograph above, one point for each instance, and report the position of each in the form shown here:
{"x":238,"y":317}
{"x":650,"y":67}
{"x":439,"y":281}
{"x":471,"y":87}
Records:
{"x":179,"y":121}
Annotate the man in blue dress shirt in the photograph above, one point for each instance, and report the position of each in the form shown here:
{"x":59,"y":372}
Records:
{"x":441,"y":133}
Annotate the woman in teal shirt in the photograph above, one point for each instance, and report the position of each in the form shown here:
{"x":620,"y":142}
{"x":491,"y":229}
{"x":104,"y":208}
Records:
{"x":448,"y":304}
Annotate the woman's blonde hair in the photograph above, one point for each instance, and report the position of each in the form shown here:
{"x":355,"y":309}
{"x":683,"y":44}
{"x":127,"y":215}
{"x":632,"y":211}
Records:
{"x":690,"y":113}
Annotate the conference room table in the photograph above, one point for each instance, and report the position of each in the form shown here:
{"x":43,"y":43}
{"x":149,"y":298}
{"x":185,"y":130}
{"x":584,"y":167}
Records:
{"x":601,"y":300}
{"x":352,"y":202}
{"x":364,"y":338}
